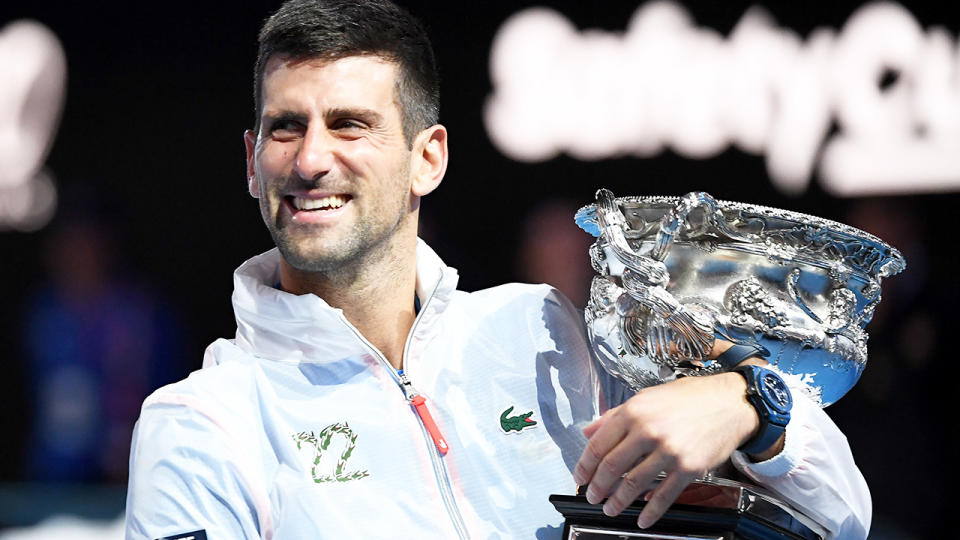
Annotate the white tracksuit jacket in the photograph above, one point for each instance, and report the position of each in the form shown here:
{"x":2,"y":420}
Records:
{"x":299,"y":428}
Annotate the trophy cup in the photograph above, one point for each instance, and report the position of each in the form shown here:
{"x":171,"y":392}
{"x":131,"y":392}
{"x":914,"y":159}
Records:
{"x":676,"y":273}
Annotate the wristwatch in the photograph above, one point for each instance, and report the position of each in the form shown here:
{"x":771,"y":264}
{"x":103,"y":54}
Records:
{"x":771,"y":397}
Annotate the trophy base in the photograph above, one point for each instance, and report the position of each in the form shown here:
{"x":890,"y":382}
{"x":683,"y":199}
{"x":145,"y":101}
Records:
{"x":715,"y":509}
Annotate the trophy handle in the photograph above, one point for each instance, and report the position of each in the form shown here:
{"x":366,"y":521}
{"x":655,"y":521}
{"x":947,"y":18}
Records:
{"x":661,"y":326}
{"x":613,"y":228}
{"x":677,"y":216}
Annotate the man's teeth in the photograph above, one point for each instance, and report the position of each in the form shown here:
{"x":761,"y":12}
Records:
{"x":327,"y":203}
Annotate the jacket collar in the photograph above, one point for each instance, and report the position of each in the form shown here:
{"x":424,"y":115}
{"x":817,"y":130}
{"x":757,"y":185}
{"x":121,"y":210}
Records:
{"x":277,"y":325}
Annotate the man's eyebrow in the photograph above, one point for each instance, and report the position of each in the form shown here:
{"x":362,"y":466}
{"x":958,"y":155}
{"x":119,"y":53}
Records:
{"x":369,"y":116}
{"x":271,"y":117}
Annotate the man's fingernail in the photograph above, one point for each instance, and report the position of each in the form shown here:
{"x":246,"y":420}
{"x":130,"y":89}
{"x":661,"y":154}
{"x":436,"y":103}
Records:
{"x":592,"y":496}
{"x":608,"y":509}
{"x":643,"y":522}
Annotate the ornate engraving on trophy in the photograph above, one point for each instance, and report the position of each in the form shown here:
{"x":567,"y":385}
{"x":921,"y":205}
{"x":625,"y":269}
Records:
{"x":752,"y":307}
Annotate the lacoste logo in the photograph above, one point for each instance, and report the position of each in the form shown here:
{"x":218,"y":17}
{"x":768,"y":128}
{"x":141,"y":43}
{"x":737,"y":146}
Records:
{"x":515,"y":423}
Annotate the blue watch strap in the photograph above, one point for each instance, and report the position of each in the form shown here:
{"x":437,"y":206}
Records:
{"x":739,"y":352}
{"x":767,"y":434}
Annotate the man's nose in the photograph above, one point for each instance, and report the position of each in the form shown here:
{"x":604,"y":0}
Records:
{"x":315,"y":157}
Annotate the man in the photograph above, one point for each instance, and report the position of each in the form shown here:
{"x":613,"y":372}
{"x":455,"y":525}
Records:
{"x":365,"y":397}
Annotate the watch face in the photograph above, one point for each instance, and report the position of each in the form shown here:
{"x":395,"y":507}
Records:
{"x":776,"y":392}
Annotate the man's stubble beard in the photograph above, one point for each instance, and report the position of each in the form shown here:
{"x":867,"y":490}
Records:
{"x":355,"y":251}
{"x":366,"y":242}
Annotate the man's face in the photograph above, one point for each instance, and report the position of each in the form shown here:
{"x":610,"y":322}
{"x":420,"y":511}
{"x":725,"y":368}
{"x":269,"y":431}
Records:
{"x":330,"y":164}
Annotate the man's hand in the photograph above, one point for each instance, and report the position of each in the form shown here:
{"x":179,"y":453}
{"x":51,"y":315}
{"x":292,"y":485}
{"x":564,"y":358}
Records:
{"x":683,"y":428}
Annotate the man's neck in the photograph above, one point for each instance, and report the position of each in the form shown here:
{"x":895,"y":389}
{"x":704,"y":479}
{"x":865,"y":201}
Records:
{"x":376,"y":295}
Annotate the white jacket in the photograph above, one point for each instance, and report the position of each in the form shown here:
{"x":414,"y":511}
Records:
{"x":299,"y":428}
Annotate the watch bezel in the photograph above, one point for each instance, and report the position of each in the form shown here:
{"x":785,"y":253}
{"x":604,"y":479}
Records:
{"x":769,"y":395}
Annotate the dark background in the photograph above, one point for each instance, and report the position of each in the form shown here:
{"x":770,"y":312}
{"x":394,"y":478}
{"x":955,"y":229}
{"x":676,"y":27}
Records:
{"x":150,"y":140}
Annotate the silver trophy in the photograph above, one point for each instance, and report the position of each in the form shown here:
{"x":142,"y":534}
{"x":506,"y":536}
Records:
{"x":678,"y":273}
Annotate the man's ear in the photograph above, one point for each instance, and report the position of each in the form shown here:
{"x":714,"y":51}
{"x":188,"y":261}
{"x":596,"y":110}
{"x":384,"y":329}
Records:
{"x":429,"y":160}
{"x":250,"y":142}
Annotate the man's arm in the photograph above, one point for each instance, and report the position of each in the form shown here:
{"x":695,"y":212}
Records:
{"x":684,"y":428}
{"x":184,"y":477}
{"x":691,"y":425}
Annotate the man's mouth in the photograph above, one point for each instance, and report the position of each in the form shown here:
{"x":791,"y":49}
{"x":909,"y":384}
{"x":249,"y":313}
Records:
{"x":331,"y":202}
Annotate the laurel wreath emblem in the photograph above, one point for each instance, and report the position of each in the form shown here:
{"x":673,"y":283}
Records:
{"x":320,"y":442}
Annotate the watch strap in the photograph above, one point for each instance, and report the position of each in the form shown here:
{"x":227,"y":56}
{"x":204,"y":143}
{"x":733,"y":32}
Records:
{"x":766,"y":435}
{"x":739,"y":352}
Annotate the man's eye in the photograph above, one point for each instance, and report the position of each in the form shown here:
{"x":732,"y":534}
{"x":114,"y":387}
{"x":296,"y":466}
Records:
{"x":285,"y":127}
{"x":347,"y":125}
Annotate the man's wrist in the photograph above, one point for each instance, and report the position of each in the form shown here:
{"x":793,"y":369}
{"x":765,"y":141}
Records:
{"x":749,"y":420}
{"x":771,"y":452}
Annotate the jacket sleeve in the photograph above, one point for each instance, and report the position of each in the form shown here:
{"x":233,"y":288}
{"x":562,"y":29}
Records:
{"x":184,"y":477}
{"x":816,"y":472}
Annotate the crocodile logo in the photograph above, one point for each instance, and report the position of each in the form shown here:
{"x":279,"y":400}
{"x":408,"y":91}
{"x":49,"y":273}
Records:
{"x":515,"y":423}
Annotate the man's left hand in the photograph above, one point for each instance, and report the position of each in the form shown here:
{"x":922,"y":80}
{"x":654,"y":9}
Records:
{"x":683,"y":428}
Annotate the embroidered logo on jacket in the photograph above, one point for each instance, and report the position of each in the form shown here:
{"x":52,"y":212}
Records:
{"x":515,"y":423}
{"x":321,"y":442}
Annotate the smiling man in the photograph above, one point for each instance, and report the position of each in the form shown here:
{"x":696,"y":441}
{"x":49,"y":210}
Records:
{"x":339,"y":184}
{"x":363,"y":396}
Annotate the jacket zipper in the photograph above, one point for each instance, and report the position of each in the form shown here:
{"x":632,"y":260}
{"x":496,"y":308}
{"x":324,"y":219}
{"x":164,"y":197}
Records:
{"x":420,"y":405}
{"x":410,"y":394}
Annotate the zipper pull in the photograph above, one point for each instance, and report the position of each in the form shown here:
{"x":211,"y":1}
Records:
{"x":420,"y":405}
{"x":408,"y":390}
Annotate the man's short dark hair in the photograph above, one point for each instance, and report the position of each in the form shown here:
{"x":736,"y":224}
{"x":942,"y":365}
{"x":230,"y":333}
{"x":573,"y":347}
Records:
{"x":334,"y":29}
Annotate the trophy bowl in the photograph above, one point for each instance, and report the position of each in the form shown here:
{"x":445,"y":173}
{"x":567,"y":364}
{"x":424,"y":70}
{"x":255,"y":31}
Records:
{"x":676,"y":273}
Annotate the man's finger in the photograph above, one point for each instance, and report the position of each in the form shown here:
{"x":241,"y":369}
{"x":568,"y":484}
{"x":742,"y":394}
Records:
{"x":619,"y":460}
{"x":639,"y":479}
{"x":603,"y":440}
{"x":592,"y":427}
{"x":662,"y":497}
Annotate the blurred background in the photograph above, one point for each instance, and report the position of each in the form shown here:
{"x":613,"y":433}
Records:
{"x":122,"y":218}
